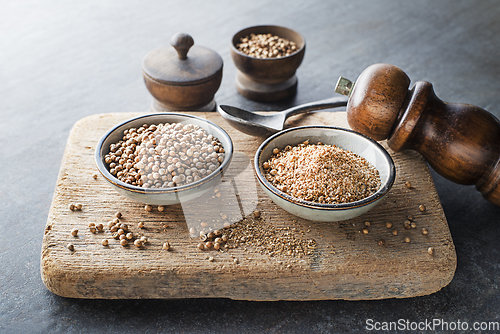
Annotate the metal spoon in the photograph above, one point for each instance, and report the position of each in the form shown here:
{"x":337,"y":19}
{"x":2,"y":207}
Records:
{"x":265,"y":125}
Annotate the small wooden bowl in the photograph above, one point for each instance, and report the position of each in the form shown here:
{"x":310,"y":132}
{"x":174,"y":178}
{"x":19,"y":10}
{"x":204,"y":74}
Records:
{"x":269,"y":79}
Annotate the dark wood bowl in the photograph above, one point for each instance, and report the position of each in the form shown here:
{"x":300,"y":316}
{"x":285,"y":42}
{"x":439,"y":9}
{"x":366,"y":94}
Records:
{"x":267,"y":79}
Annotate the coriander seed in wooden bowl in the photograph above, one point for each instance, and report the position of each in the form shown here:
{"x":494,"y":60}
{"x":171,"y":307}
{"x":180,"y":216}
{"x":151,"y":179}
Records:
{"x":164,"y":158}
{"x":324,"y":173}
{"x":267,"y":58}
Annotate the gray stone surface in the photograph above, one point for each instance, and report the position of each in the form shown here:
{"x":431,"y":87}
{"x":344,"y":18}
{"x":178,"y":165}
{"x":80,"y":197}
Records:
{"x":63,"y":60}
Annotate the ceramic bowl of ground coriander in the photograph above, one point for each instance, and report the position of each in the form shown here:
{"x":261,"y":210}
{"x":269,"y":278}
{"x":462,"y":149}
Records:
{"x":323,"y":173}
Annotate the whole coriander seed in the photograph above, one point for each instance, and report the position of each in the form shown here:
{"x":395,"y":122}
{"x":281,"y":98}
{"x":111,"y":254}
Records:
{"x":413,"y":225}
{"x":137,"y":243}
{"x":365,"y":231}
{"x":99,"y":227}
{"x":166,"y":246}
{"x":78,"y":206}
{"x":148,"y":208}
{"x":94,"y":176}
{"x":123,"y":236}
{"x":217,"y":246}
{"x":407,"y":239}
{"x":394,"y":232}
{"x":72,"y":207}
{"x":124,"y":242}
{"x":367,"y":224}
{"x":140,"y":225}
{"x":388,"y":225}
{"x":118,"y":214}
{"x":430,"y":250}
{"x":74,"y":232}
{"x":201,"y":246}
{"x":104,"y":242}
{"x":209,"y":244}
{"x":211,"y":259}
{"x":381,"y":242}
{"x":144,"y":239}
{"x":92,"y":229}
{"x":71,"y":247}
{"x":421,"y":208}
{"x":408,"y":184}
{"x":161,"y":208}
{"x":425,"y":231}
{"x":130,"y":236}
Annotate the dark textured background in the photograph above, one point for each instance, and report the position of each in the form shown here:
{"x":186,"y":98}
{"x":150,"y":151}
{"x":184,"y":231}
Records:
{"x":63,"y":60}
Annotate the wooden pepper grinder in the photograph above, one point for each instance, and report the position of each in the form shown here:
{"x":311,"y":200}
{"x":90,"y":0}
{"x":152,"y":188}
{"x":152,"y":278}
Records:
{"x":460,"y":141}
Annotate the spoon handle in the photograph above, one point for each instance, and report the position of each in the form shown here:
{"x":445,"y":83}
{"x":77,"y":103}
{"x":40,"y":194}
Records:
{"x":333,"y":102}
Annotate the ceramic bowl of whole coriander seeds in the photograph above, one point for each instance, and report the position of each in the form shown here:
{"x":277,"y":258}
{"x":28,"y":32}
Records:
{"x":323,"y":173}
{"x":164,"y":158}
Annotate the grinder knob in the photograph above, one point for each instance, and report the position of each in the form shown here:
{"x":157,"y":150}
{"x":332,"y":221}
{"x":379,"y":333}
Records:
{"x":459,"y":141}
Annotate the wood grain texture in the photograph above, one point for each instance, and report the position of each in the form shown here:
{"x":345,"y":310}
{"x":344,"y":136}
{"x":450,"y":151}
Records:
{"x":346,"y":264}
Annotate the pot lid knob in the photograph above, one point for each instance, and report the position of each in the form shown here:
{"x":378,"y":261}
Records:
{"x":182,"y":43}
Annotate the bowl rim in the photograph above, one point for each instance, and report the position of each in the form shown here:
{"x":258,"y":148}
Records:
{"x":139,"y":190}
{"x":301,"y":49}
{"x":381,"y":192}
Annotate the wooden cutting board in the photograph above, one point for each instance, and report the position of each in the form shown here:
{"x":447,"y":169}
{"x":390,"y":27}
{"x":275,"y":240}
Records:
{"x":344,"y":263}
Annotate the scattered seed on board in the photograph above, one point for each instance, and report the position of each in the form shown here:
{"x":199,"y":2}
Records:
{"x":71,"y":247}
{"x":430,"y":250}
{"x":140,"y":225}
{"x":166,"y":246}
{"x":211,"y":259}
{"x":201,"y":246}
{"x":94,"y":176}
{"x":104,"y":242}
{"x":413,"y":225}
{"x":124,"y":242}
{"x":118,"y":215}
{"x":408,"y":184}
{"x":388,"y":224}
{"x":72,"y":207}
{"x":130,"y":236}
{"x":92,"y":229}
{"x":74,"y":232}
{"x":122,"y":237}
{"x":99,"y":227}
{"x":425,"y":231}
{"x":407,"y":239}
{"x":381,"y":242}
{"x":144,"y":239}
{"x":137,"y":243}
{"x":148,"y":208}
{"x":78,"y":206}
{"x":394,"y":232}
{"x":161,"y":208}
{"x":421,"y":208}
{"x":365,"y":231}
{"x":367,"y":224}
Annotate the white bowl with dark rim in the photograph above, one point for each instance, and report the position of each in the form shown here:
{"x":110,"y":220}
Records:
{"x":163,"y":196}
{"x":349,"y":140}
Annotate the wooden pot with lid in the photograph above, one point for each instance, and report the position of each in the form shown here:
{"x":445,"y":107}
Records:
{"x":183,"y":77}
